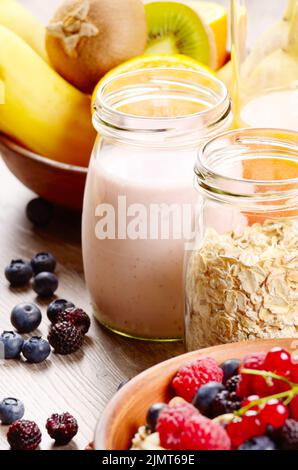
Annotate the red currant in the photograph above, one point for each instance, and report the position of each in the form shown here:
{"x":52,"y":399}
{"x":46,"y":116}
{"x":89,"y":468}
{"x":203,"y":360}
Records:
{"x":253,"y":425}
{"x":294,"y":370}
{"x":274,"y":413}
{"x":249,"y":400}
{"x":263,"y":386}
{"x":294,"y":407}
{"x":255,"y":362}
{"x":237,"y":433}
{"x":278,"y":360}
{"x":245,"y":386}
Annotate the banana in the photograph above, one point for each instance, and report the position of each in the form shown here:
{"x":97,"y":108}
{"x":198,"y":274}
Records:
{"x":284,"y":60}
{"x":273,"y":39}
{"x":20,"y":20}
{"x":41,"y":110}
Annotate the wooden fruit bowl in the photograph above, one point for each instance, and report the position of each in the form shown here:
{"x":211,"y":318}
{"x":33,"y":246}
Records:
{"x":128,"y":408}
{"x":56,"y":182}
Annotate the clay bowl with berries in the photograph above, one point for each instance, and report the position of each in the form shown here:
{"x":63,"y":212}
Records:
{"x":127,"y":410}
{"x":59,"y":183}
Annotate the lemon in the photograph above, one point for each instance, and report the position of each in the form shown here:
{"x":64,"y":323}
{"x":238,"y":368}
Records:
{"x":151,"y":61}
{"x":216,"y":17}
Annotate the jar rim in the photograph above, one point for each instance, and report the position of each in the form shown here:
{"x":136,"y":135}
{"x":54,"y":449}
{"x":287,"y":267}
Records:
{"x":195,"y":84}
{"x":269,"y":142}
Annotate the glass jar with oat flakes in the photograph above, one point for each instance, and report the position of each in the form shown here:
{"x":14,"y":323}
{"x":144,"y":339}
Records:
{"x":241,"y":275}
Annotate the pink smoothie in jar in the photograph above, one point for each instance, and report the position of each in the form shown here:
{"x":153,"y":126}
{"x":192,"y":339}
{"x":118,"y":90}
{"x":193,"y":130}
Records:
{"x":139,"y":196}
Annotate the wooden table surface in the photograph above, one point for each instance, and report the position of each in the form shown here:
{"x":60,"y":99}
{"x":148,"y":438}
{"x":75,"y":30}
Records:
{"x":83,"y":382}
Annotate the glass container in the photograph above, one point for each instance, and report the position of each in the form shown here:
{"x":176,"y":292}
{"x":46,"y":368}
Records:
{"x":139,"y":195}
{"x":265,"y":63}
{"x":241,"y":274}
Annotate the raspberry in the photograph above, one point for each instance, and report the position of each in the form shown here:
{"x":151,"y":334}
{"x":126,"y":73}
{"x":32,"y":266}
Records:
{"x":200,"y":433}
{"x":62,"y":428}
{"x":190,"y":377}
{"x":65,"y":338}
{"x":77,"y":317}
{"x":232,"y":383}
{"x":24,"y":435}
{"x":171,"y":421}
{"x":225,"y":402}
{"x":294,"y":407}
{"x":289,"y":435}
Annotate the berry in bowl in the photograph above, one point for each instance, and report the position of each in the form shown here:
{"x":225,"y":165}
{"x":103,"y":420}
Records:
{"x":230,"y":397}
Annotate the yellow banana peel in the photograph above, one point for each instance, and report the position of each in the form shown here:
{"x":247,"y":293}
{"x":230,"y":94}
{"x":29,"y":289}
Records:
{"x":22,"y":22}
{"x":41,"y":110}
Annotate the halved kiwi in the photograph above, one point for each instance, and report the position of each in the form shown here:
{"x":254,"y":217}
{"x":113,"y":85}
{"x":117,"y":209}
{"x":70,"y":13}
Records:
{"x":174,"y":28}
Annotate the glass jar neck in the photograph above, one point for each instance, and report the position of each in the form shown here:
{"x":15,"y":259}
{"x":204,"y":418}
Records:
{"x":162,"y":107}
{"x":252,"y":168}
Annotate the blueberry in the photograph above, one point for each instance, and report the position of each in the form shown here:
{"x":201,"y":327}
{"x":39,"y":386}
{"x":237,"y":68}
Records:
{"x":18,"y":273}
{"x":45,"y":284}
{"x":13,"y":343}
{"x":36,"y":349}
{"x":121,"y":385}
{"x":25,"y":317}
{"x":258,"y":443}
{"x":56,"y":307}
{"x":230,"y":368}
{"x":11,"y":410}
{"x":153,"y":413}
{"x":205,"y":396}
{"x":39,"y":212}
{"x":43,"y":263}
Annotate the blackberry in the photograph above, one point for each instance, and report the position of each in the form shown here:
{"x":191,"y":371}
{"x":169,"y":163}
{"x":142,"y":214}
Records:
{"x":65,"y":338}
{"x":77,"y":317}
{"x":225,"y":402}
{"x":62,"y":428}
{"x":231,"y":384}
{"x":24,"y":435}
{"x":289,"y":435}
{"x":258,"y":443}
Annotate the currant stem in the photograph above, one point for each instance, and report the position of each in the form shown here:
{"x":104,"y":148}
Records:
{"x":264,"y":373}
{"x":288,"y":394}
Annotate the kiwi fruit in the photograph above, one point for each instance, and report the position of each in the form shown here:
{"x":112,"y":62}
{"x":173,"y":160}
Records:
{"x":174,"y":28}
{"x":87,"y":38}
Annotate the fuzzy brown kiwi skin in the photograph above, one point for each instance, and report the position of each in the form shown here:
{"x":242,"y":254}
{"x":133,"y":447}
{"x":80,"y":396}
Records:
{"x":121,"y":34}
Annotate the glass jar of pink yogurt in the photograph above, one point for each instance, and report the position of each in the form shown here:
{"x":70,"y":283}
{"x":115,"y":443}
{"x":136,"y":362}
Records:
{"x":139,"y":197}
